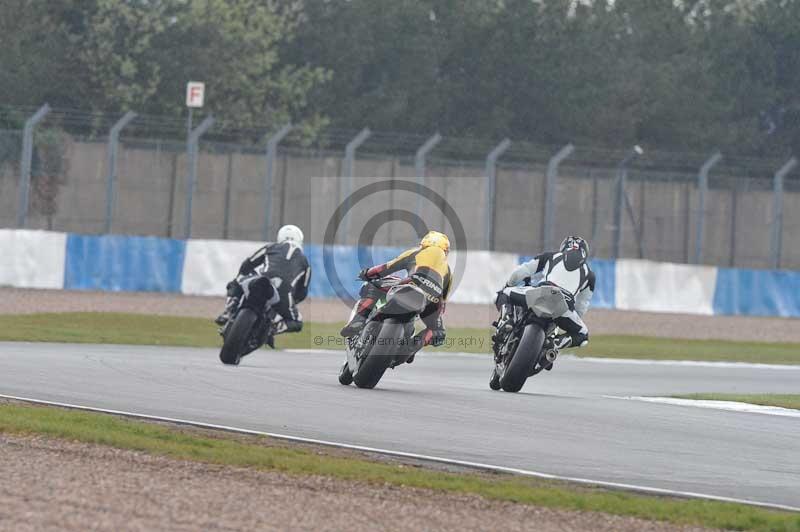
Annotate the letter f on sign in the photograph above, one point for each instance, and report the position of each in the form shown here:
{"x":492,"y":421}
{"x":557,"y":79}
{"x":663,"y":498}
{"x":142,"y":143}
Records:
{"x":195,"y":94}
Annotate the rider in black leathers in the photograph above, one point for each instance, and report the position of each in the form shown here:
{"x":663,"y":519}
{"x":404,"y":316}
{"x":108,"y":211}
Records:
{"x":284,"y":275}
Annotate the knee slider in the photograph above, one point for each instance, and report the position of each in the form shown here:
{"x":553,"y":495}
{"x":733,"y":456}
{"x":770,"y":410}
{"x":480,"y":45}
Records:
{"x":579,"y":339}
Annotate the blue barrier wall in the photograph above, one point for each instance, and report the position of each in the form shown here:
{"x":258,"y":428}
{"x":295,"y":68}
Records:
{"x":605,"y":283}
{"x":346,"y":261}
{"x":129,"y":263}
{"x":124,"y":263}
{"x":757,"y":293}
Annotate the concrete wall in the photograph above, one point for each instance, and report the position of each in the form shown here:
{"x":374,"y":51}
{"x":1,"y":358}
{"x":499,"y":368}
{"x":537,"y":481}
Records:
{"x":229,"y":202}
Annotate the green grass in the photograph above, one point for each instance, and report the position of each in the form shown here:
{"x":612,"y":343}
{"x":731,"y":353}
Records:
{"x":137,"y":329}
{"x":267,"y":454}
{"x":141,"y":329}
{"x":108,"y":328}
{"x":676,"y":349}
{"x":765,"y":399}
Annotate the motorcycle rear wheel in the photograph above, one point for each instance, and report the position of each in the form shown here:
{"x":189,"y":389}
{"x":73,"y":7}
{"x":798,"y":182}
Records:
{"x":525,"y":356}
{"x":236,"y":339}
{"x":381,"y":355}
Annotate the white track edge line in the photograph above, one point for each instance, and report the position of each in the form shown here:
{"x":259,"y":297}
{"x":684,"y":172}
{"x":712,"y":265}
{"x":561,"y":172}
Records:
{"x":462,"y":463}
{"x":693,"y":363}
{"x":737,"y":407}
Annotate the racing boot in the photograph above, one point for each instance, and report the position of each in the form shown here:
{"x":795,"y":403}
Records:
{"x":503,"y":322}
{"x":275,"y":325}
{"x":355,"y":325}
{"x":417,"y":342}
{"x":503,"y":325}
{"x":230,"y":305}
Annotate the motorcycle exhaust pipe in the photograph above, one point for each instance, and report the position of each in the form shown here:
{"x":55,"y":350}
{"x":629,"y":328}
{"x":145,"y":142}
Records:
{"x":550,"y":355}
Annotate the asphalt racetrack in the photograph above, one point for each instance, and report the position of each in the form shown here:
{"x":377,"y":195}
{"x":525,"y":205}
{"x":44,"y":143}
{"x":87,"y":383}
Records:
{"x":573,"y":421}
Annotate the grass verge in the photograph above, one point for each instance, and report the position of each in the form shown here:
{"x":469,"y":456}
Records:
{"x":765,"y":399}
{"x":266,"y":454}
{"x":142,"y":329}
{"x":643,"y":347}
{"x":139,"y":329}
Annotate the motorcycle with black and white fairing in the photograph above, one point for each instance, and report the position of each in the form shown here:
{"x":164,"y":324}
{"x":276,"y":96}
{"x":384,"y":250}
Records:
{"x":251,"y":323}
{"x":386,"y":339}
{"x":524,"y":341}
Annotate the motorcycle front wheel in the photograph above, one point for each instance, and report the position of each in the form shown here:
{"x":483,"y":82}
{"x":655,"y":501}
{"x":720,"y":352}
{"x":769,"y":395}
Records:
{"x":494,"y":380}
{"x":345,"y":375}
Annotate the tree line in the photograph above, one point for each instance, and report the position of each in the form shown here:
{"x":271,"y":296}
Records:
{"x":675,"y":74}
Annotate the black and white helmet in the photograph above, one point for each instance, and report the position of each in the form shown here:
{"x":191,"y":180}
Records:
{"x":575,"y":250}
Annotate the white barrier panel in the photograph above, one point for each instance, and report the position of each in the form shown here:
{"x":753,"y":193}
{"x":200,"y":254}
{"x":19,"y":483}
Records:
{"x":32,"y":259}
{"x":210,"y":264}
{"x":486,"y":272}
{"x":665,"y":287}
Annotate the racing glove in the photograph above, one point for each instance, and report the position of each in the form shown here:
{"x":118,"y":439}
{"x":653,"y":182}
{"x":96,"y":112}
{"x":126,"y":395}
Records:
{"x":364,"y":274}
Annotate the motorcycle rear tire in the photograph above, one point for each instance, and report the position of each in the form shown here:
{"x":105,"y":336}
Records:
{"x":381,"y":355}
{"x":524,"y":359}
{"x":236,"y":340}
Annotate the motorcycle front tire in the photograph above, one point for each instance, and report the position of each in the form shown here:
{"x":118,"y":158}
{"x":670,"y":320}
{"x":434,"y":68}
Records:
{"x":235,"y":341}
{"x":494,"y":380}
{"x":345,"y":375}
{"x":524,"y":359}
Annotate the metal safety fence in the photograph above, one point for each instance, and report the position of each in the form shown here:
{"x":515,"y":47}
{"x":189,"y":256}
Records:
{"x":713,"y":209}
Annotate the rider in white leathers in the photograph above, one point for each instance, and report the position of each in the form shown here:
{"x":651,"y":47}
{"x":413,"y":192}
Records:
{"x":567,"y":269}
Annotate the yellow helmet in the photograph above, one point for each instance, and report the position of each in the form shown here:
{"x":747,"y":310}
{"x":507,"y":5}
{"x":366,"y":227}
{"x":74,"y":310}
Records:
{"x":435,"y":239}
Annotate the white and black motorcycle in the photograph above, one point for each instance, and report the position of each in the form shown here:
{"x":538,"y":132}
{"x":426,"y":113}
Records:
{"x":523,"y":344}
{"x":384,"y":341}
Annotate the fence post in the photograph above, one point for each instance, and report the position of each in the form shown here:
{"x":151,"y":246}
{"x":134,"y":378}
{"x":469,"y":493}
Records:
{"x":777,"y":201}
{"x":191,"y":163}
{"x":491,"y":182}
{"x":549,"y":193}
{"x":702,"y":187}
{"x":272,"y":151}
{"x":25,"y":164}
{"x":111,"y":163}
{"x":734,"y":217}
{"x":347,"y":171}
{"x":622,"y":174}
{"x":419,"y":166}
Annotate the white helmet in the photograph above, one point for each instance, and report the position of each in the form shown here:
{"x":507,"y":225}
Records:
{"x":290,"y":233}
